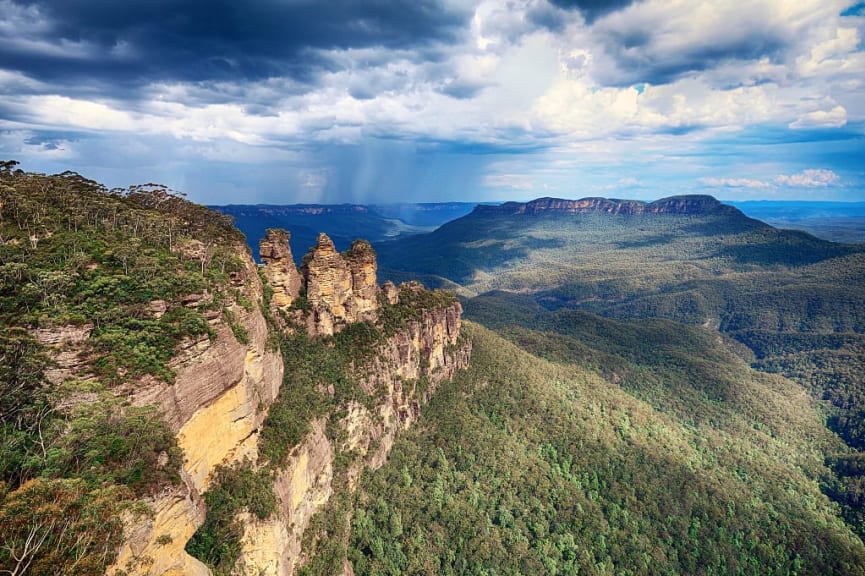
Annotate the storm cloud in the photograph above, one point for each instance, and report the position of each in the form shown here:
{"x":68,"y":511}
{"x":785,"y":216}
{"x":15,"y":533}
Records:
{"x":137,"y":42}
{"x":339,"y":100}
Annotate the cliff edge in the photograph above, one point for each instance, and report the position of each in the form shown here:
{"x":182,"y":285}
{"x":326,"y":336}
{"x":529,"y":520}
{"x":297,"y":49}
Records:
{"x":376,"y":355}
{"x":686,"y":204}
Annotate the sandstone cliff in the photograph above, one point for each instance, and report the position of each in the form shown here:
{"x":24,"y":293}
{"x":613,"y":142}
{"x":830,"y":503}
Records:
{"x":341,"y":289}
{"x":688,"y":204}
{"x":223,"y":390}
{"x":215,"y":406}
{"x":403,"y":371}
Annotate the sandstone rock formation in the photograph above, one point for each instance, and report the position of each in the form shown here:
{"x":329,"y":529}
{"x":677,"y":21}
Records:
{"x":215,"y":405}
{"x":407,"y":368}
{"x":223,"y":390}
{"x":279,"y":269}
{"x":272,"y":547}
{"x":391,"y":293}
{"x":340,"y":289}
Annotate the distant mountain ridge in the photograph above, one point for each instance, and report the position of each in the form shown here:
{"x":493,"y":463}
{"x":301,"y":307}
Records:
{"x":306,"y":209}
{"x":687,"y":204}
{"x":344,"y":223}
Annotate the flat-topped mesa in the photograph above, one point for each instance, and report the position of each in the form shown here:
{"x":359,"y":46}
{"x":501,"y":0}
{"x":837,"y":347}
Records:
{"x":279,"y":269}
{"x":689,"y":204}
{"x":341,"y":289}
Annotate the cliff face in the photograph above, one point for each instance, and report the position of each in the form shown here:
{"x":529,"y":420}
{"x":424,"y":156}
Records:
{"x":215,"y":406}
{"x":272,"y":547}
{"x":405,"y":370}
{"x":224,"y":388}
{"x":397,"y":375}
{"x":691,"y":204}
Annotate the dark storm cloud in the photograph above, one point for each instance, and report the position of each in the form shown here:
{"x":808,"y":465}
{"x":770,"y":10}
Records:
{"x":593,"y":9}
{"x":134,"y":42}
{"x":638,"y":56}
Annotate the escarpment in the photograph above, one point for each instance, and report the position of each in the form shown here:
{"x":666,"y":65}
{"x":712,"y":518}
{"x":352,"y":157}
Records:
{"x":687,"y":204}
{"x":215,"y":405}
{"x":152,"y":425}
{"x":393,"y":346}
{"x":396,"y":344}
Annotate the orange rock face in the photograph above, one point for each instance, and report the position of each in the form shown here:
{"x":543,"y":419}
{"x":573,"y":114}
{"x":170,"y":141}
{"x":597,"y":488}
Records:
{"x":279,"y":269}
{"x":341,"y":289}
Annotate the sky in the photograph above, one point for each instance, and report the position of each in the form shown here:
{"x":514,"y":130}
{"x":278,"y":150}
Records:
{"x":369,"y":101}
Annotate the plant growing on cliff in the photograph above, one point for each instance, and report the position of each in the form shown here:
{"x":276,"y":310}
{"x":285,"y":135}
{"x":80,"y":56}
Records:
{"x":234,"y":489}
{"x":237,"y":328}
{"x":120,"y":267}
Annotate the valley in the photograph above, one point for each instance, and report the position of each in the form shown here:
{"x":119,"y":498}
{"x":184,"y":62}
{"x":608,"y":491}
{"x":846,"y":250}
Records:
{"x":604,"y":387}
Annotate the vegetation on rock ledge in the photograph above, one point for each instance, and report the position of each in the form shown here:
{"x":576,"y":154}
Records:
{"x":97,"y":289}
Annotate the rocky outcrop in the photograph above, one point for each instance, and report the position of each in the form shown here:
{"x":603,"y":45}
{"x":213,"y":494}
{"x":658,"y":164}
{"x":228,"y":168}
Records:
{"x":403,"y":371}
{"x":303,"y":486}
{"x":391,"y":293}
{"x":279,"y":269}
{"x":340,"y":289}
{"x":215,"y":405}
{"x":224,"y":388}
{"x":408,"y":367}
{"x":65,"y":346}
{"x":688,"y":204}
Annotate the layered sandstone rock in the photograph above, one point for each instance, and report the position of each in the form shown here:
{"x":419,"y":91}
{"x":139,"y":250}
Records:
{"x":408,"y":367}
{"x":216,"y":406}
{"x":279,"y":269}
{"x":362,"y":265}
{"x":223,"y":390}
{"x":340,"y":289}
{"x":303,"y":486}
{"x":391,"y":293}
{"x":405,"y":370}
{"x":65,"y":345}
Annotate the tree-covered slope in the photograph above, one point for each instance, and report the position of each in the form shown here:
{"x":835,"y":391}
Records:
{"x":529,"y":466}
{"x":95,"y":289}
{"x":796,"y":301}
{"x":617,"y":263}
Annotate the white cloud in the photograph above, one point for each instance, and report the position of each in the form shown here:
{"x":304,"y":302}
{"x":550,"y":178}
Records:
{"x":64,"y":112}
{"x":833,"y":118}
{"x":734,"y":183}
{"x":25,"y":143}
{"x":812,"y":178}
{"x":831,"y":53}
